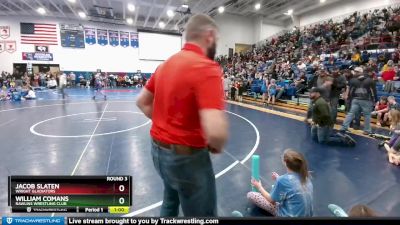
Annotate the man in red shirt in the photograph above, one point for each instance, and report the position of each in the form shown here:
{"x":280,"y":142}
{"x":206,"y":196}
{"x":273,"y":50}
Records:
{"x":184,"y":99}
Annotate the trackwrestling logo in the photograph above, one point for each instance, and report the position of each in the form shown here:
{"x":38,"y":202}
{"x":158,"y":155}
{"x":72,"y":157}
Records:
{"x":33,"y":220}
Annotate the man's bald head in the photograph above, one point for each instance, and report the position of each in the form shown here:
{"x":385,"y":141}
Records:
{"x":198,"y":25}
{"x":202,"y":30}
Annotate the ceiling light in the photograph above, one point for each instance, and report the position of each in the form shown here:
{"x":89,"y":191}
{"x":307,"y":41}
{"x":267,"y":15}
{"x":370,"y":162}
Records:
{"x":161,"y":24}
{"x":289,"y":12}
{"x":72,"y":1}
{"x":322,"y":1}
{"x":131,"y":7}
{"x":185,"y":6}
{"x":82,"y":15}
{"x":257,"y":6}
{"x":221,"y":9}
{"x":170,"y":13}
{"x":41,"y":10}
{"x":129,"y":20}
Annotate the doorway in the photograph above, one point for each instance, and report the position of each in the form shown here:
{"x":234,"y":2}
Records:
{"x":44,"y":68}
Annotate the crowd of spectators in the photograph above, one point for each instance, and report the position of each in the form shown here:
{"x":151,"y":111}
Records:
{"x":360,"y":53}
{"x":293,"y":58}
{"x":17,"y":86}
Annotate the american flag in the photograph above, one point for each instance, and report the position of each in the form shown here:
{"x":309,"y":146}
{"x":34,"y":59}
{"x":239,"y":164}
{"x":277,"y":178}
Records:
{"x":39,"y":33}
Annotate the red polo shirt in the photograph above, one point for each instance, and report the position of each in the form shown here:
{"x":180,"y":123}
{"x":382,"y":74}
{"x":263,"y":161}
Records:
{"x":183,"y":85}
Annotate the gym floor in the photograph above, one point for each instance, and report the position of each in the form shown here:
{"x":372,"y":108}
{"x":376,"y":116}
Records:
{"x":79,"y":136}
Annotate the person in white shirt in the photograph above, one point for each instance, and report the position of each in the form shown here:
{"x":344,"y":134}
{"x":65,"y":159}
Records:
{"x":226,"y":83}
{"x":52,"y":83}
{"x":73,"y":79}
{"x":31,"y":94}
{"x":63,"y":84}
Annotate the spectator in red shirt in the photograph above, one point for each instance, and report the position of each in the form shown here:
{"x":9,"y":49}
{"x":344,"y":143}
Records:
{"x":184,"y":98}
{"x":388,"y":73}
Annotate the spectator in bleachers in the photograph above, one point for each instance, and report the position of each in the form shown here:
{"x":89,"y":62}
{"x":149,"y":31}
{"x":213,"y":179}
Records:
{"x":361,"y":91}
{"x":300,"y":83}
{"x":381,"y":110}
{"x":233,"y":91}
{"x":321,"y":126}
{"x":388,"y":76}
{"x":356,"y":57}
{"x":241,"y":89}
{"x":365,"y":57}
{"x":338,"y":85}
{"x":264,"y":89}
{"x":226,"y":83}
{"x":272,"y":90}
{"x":393,"y":103}
{"x":292,"y":193}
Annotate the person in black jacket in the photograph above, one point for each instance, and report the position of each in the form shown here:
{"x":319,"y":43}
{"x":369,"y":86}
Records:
{"x":362,"y":91}
{"x":339,"y":83}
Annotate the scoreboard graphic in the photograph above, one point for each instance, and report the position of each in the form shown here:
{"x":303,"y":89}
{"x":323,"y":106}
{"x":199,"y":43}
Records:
{"x":77,"y":194}
{"x":72,"y":36}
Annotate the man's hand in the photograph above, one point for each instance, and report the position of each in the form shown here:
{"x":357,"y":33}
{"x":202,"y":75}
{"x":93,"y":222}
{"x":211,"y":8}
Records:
{"x":214,"y":150}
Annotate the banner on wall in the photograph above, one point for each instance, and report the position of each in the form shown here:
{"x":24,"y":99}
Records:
{"x":90,"y":35}
{"x":11,"y":46}
{"x":134,"y":40}
{"x":102,"y":37}
{"x":4,"y":32}
{"x":37,"y":56}
{"x":114,"y":37}
{"x":72,"y":36}
{"x":124,"y":38}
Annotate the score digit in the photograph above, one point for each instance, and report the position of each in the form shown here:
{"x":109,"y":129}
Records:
{"x":121,"y":188}
{"x":121,"y":200}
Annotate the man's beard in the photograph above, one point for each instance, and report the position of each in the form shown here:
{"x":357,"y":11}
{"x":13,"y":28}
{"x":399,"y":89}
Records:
{"x":212,"y":51}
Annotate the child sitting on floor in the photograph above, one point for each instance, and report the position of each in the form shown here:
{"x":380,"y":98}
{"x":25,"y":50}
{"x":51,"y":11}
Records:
{"x":381,"y":109}
{"x":393,"y":146}
{"x":292,"y":194}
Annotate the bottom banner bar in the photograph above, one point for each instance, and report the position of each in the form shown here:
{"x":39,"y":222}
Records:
{"x":227,"y":221}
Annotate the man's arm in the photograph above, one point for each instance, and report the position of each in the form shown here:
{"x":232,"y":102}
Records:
{"x":341,"y":82}
{"x":145,"y":102}
{"x":346,"y":93}
{"x":374,"y":92}
{"x":209,"y":97}
{"x":215,"y":126}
